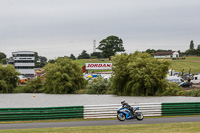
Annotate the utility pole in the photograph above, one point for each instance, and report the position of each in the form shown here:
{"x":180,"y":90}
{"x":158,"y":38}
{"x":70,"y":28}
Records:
{"x":94,"y":46}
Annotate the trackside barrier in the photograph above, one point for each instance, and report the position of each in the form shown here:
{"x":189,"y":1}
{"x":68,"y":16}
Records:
{"x":14,"y":114}
{"x":97,"y":111}
{"x":110,"y":111}
{"x":188,"y":108}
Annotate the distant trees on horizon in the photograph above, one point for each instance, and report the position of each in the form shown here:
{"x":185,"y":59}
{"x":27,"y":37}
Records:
{"x":108,"y":47}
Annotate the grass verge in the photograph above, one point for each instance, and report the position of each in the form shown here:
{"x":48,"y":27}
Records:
{"x":186,"y":127}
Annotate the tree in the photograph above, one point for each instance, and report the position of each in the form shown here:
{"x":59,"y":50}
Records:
{"x":8,"y":78}
{"x":52,"y":61}
{"x":110,"y":46}
{"x":150,"y":51}
{"x":2,"y":56}
{"x":198,"y":47}
{"x":4,"y":61}
{"x":190,"y":52}
{"x":84,"y":55}
{"x":138,"y":74}
{"x":97,"y":54}
{"x":65,"y":76}
{"x":72,"y":57}
{"x":36,"y":57}
{"x":41,"y":61}
{"x":191,"y":44}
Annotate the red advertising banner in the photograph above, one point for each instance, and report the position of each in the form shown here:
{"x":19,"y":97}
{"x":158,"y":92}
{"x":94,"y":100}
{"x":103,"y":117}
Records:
{"x":98,"y":66}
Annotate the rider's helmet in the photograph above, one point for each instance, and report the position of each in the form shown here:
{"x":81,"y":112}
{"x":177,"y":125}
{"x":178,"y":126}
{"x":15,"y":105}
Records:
{"x":123,"y":101}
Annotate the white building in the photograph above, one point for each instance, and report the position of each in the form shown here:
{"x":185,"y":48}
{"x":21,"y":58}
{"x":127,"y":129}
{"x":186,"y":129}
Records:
{"x":24,"y":62}
{"x":169,"y":54}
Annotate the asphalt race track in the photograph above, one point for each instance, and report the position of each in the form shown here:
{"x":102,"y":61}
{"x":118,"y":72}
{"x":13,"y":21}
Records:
{"x":99,"y":123}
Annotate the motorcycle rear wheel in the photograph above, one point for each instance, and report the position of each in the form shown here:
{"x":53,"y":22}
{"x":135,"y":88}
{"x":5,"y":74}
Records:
{"x":139,"y":116}
{"x":121,"y":117}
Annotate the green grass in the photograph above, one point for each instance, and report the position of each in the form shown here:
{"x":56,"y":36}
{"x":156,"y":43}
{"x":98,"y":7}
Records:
{"x":186,"y":127}
{"x":192,"y":63}
{"x":197,"y":58}
{"x":178,"y":66}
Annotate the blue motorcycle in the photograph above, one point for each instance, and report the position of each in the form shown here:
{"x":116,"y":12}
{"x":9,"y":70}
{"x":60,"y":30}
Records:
{"x":127,"y":113}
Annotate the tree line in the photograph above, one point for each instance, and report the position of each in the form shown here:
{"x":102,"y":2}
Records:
{"x":135,"y":74}
{"x":192,"y":51}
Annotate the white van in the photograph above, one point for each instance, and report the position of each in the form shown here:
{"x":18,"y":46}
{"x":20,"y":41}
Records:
{"x":196,"y":79}
{"x":175,"y":79}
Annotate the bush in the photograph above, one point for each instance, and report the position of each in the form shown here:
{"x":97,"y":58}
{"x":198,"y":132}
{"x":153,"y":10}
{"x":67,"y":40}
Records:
{"x":173,"y":90}
{"x":8,"y":78}
{"x":33,"y":86}
{"x":93,"y":57}
{"x":98,"y":86}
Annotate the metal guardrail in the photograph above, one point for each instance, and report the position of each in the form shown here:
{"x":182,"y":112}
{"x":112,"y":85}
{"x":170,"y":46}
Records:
{"x":110,"y":110}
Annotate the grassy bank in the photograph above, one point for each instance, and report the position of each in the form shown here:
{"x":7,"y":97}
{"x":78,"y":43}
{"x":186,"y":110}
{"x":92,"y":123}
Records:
{"x":179,"y":65}
{"x":192,"y":63}
{"x":186,"y":127}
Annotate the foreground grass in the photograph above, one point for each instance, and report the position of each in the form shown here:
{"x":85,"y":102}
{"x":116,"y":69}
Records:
{"x":186,"y":127}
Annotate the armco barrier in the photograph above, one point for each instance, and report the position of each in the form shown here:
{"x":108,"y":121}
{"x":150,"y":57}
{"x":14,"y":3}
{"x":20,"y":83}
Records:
{"x":97,"y":111}
{"x":110,"y":111}
{"x":14,"y":114}
{"x":188,"y":108}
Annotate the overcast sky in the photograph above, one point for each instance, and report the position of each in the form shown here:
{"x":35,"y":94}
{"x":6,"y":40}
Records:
{"x":56,"y":28}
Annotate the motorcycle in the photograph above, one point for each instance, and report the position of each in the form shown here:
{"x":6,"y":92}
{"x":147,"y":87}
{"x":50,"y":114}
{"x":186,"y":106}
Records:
{"x":125,"y":114}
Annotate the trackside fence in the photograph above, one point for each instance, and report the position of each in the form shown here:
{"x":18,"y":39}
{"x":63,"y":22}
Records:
{"x":15,"y":114}
{"x":97,"y":111}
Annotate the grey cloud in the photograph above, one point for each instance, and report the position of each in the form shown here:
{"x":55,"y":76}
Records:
{"x":45,"y":24}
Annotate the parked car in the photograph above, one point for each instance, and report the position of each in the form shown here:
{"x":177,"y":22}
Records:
{"x":179,"y":81}
{"x":185,"y":84}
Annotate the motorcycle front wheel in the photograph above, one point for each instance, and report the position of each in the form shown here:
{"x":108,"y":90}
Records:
{"x":121,"y":116}
{"x":139,"y":116}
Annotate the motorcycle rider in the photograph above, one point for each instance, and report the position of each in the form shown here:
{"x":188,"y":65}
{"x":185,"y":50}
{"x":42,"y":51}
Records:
{"x":126,"y":105}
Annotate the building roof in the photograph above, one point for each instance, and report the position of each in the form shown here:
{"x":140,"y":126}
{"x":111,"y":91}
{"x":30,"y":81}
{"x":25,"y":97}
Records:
{"x":164,"y":53}
{"x":23,"y":52}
